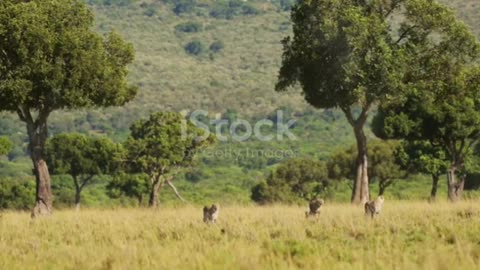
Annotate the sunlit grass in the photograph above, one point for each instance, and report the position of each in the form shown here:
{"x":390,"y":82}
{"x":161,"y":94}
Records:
{"x":407,"y":235}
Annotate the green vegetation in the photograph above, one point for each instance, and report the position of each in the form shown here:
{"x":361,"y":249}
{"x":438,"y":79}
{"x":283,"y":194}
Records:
{"x":189,"y":27}
{"x":441,"y":106}
{"x":349,"y":55}
{"x":216,"y":46}
{"x":49,"y":64}
{"x":410,"y":62}
{"x":5,"y":145}
{"x":83,"y":158}
{"x":195,"y":47}
{"x":16,"y":193}
{"x":236,"y":83}
{"x":303,"y":178}
{"x":384,"y":165}
{"x":159,"y":147}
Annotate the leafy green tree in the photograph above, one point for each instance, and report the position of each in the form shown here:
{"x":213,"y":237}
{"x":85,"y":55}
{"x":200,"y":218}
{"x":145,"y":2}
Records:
{"x":51,"y":63}
{"x":450,"y":121}
{"x":423,"y":157}
{"x":161,"y":146}
{"x":352,"y":55}
{"x":441,"y":104}
{"x":303,"y":178}
{"x":343,"y":55}
{"x":83,"y":158}
{"x":384,"y":166}
{"x":6,"y":145}
{"x":130,"y":185}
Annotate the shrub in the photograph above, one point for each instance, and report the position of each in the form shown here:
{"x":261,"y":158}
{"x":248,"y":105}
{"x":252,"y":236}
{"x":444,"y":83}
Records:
{"x":120,"y":3}
{"x":6,"y":145}
{"x":194,"y":48}
{"x":189,"y":27}
{"x":249,"y":10}
{"x":194,"y":176}
{"x":184,"y":6}
{"x":16,"y":194}
{"x":294,"y":179}
{"x":222,"y":12}
{"x":150,"y":12}
{"x":216,"y":46}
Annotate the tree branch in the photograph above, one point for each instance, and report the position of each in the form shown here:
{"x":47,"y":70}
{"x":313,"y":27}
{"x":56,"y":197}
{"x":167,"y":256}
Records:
{"x":85,"y":181}
{"x":174,"y":189}
{"x":393,"y":6}
{"x":405,"y":33}
{"x":348,"y":115}
{"x":363,"y":115}
{"x":24,"y":114}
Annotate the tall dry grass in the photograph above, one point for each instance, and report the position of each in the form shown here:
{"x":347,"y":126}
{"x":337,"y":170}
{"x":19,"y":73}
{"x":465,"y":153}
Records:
{"x":407,"y":235}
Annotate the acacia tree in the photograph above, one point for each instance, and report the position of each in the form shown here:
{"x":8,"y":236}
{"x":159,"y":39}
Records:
{"x":352,"y":55}
{"x":384,"y":166}
{"x":441,"y":104}
{"x":423,"y":157}
{"x":83,"y":158}
{"x":161,"y":146}
{"x":446,"y":113}
{"x":51,"y":59}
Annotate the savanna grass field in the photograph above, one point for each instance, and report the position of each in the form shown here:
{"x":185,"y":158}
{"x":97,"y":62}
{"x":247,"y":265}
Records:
{"x":406,"y":235}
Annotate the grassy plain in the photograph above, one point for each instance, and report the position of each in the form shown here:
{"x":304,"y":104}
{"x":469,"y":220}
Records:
{"x":407,"y":235}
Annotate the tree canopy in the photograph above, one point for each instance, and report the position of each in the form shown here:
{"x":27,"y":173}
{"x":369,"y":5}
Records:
{"x":423,"y":157}
{"x":351,"y":55}
{"x":441,"y":103}
{"x":52,"y":59}
{"x":130,"y":185}
{"x":83,"y":158}
{"x":343,"y":54}
{"x":162,"y":145}
{"x":294,"y":179}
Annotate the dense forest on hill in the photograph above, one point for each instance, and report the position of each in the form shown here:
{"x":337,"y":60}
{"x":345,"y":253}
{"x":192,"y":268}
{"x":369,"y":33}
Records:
{"x":219,"y":56}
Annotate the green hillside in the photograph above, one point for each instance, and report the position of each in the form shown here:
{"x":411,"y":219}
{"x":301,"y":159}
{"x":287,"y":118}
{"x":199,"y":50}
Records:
{"x":239,"y":76}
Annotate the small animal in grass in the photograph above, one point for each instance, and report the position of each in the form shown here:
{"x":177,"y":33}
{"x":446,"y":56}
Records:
{"x":210,"y":214}
{"x":373,"y":208}
{"x":314,"y":208}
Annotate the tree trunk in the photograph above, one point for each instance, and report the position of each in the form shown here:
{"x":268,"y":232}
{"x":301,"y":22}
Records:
{"x":156,"y":186}
{"x":455,"y":189}
{"x":360,"y":193}
{"x":381,"y":189}
{"x":433,"y":192}
{"x":37,"y":133}
{"x":77,"y":199}
{"x":140,"y":200}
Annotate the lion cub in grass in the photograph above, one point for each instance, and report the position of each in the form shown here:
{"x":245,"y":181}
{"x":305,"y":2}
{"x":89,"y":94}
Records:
{"x":210,"y":214}
{"x":373,"y":208}
{"x":314,"y":208}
